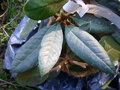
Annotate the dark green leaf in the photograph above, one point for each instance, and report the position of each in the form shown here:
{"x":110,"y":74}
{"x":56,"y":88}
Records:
{"x":93,"y":24}
{"x":42,"y":9}
{"x":111,"y":47}
{"x":53,"y":74}
{"x":50,"y":51}
{"x":30,"y":77}
{"x":88,"y":49}
{"x":27,"y":56}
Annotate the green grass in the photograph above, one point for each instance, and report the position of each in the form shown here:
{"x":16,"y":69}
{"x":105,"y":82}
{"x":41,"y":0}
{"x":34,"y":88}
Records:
{"x":10,"y":15}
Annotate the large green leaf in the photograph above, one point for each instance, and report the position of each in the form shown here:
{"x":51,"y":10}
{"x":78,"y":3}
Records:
{"x":88,"y":49}
{"x":93,"y":24}
{"x":30,"y":77}
{"x":111,"y":47}
{"x":27,"y":25}
{"x":27,"y":56}
{"x":50,"y":51}
{"x":42,"y":9}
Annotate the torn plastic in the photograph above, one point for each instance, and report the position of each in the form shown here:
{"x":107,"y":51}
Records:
{"x":84,"y":8}
{"x":67,"y":7}
{"x":66,"y":82}
{"x":15,"y":41}
{"x":72,"y":6}
{"x":63,"y":81}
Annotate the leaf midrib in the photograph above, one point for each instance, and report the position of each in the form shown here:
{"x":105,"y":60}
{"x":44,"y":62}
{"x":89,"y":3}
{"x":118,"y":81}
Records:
{"x":52,"y":44}
{"x":31,"y":52}
{"x":91,"y":50}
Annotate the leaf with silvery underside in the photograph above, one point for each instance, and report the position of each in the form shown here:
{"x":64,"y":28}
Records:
{"x":27,"y":25}
{"x":27,"y":56}
{"x":42,"y":9}
{"x":116,"y":36}
{"x":50,"y":50}
{"x":111,"y":47}
{"x":93,"y":24}
{"x":88,"y":49}
{"x":30,"y":77}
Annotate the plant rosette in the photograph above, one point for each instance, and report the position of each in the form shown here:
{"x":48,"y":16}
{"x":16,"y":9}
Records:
{"x":68,"y":43}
